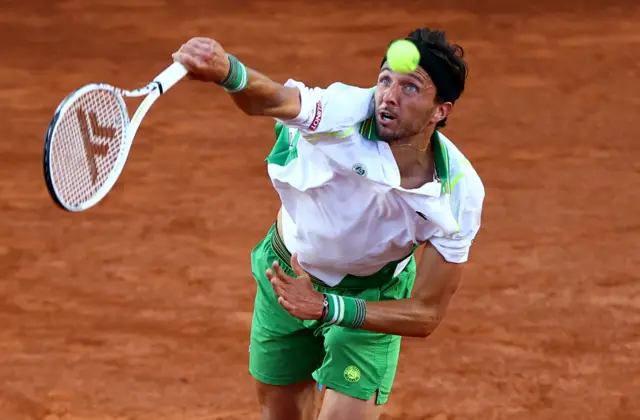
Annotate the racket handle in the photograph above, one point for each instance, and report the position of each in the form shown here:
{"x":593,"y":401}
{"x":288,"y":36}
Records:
{"x":170,"y":76}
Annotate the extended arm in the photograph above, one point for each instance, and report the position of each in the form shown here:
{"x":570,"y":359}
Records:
{"x":311,"y":110}
{"x":253,"y":92}
{"x":264,"y":97}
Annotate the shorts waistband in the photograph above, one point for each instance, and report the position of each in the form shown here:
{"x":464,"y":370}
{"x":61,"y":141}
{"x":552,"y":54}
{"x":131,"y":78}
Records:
{"x":283,"y":253}
{"x":350,"y":282}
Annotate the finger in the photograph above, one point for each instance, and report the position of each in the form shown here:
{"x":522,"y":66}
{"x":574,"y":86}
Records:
{"x":188,"y":49}
{"x":187,"y":60}
{"x":206,"y":45}
{"x":202,"y":42}
{"x":201,"y":52}
{"x":276,"y":285}
{"x":278,"y":288}
{"x":269,"y":274}
{"x":287,"y":306}
{"x":297,"y":268}
{"x":279,"y":272}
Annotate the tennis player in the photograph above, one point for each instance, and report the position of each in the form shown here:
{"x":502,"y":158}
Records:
{"x":365,"y":176}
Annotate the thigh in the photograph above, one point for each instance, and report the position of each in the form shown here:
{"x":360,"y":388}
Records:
{"x":338,"y":406}
{"x":282,"y":350}
{"x":362,"y":364}
{"x":288,"y":402}
{"x":359,"y":364}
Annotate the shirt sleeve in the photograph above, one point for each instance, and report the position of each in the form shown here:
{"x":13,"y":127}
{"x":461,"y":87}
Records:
{"x":455,"y":248}
{"x":331,"y":109}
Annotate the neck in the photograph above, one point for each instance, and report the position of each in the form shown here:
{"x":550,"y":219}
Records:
{"x":414,"y":158}
{"x":419,"y":142}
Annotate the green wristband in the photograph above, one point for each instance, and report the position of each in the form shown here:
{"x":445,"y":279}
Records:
{"x":237,"y":78}
{"x":345,"y":311}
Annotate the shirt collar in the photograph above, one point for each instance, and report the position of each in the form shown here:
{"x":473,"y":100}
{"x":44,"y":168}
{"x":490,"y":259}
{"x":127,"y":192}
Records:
{"x":440,"y":152}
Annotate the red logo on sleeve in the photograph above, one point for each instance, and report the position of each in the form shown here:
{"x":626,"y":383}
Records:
{"x":317,"y":117}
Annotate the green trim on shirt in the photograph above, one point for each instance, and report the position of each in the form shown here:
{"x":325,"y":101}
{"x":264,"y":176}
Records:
{"x":285,"y":149}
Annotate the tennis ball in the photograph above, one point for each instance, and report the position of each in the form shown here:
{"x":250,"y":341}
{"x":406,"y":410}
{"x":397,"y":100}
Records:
{"x":403,"y":56}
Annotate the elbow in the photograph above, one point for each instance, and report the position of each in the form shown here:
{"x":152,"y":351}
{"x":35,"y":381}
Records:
{"x":427,"y":320}
{"x":257,"y":111}
{"x":252,"y":111}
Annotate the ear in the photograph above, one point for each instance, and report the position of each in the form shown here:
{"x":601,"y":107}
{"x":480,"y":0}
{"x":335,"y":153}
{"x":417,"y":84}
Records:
{"x":441,"y":112}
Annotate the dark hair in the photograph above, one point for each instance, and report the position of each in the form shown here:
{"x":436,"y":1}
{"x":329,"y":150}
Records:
{"x":451,"y":54}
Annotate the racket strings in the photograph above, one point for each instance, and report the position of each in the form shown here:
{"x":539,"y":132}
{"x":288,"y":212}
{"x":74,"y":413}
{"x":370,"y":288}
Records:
{"x":86,"y":145}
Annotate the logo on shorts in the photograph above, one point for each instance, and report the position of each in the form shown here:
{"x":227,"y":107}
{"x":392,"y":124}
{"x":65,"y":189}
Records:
{"x":360,"y":169}
{"x":352,"y":374}
{"x":317,"y":117}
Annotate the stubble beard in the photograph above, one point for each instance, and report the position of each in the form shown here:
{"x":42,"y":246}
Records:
{"x":393,"y":136}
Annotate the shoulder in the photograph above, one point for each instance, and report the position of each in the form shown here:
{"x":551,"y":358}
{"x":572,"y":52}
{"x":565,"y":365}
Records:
{"x":466,"y":201}
{"x":467,"y":191}
{"x":337,"y":98}
{"x":335,"y":88}
{"x":465,"y":180}
{"x":332,"y":108}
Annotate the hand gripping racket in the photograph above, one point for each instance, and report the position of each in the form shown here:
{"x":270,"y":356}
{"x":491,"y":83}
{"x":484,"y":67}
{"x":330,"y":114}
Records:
{"x":89,"y":138}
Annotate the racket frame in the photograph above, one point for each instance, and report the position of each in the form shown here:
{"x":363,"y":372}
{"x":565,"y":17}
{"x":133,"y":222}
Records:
{"x":152,"y":91}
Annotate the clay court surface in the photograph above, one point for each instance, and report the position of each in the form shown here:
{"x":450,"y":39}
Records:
{"x":140,"y":308}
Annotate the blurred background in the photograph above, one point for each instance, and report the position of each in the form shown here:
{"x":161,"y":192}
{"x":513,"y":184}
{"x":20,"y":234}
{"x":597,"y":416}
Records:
{"x":140,"y":308}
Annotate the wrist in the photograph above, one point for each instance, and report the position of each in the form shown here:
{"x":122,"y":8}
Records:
{"x":237,"y":77}
{"x":325,"y":305}
{"x":344,"y":311}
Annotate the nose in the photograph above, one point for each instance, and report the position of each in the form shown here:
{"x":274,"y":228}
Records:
{"x":390,"y":95}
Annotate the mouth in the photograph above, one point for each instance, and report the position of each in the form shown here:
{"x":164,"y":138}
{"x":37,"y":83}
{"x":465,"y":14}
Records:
{"x":385,"y":117}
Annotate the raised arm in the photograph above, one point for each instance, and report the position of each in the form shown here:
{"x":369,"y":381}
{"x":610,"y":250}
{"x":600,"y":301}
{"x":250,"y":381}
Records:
{"x":254,"y":93}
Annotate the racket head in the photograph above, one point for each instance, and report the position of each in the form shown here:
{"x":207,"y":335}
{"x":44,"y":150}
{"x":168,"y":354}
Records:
{"x":86,"y":145}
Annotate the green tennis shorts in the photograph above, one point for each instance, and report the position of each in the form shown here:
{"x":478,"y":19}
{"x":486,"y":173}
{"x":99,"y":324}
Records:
{"x":285,"y":350}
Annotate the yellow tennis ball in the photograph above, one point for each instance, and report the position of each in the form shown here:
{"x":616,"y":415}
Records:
{"x":403,"y":56}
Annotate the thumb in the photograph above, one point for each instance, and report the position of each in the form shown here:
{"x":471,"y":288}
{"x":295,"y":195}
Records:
{"x":297,"y":268}
{"x":186,"y":60}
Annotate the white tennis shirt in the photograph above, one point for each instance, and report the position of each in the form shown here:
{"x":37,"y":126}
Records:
{"x":343,"y":209}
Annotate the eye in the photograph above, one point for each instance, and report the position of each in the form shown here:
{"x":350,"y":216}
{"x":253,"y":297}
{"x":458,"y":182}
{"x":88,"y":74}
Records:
{"x":385,"y":80}
{"x":411,"y":88}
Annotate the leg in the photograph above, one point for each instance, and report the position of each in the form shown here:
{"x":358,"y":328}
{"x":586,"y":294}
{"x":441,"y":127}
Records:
{"x":338,"y":406}
{"x":288,"y":402}
{"x":358,"y":372}
{"x":283,"y":352}
{"x":360,"y":366}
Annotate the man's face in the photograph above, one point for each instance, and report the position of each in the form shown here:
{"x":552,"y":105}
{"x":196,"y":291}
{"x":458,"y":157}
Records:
{"x":405,"y":104}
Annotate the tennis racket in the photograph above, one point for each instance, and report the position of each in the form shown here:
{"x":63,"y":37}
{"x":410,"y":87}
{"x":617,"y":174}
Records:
{"x":89,"y":138}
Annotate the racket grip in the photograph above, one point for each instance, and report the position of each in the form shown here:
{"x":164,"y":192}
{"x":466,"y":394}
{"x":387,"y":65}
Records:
{"x":170,"y":76}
